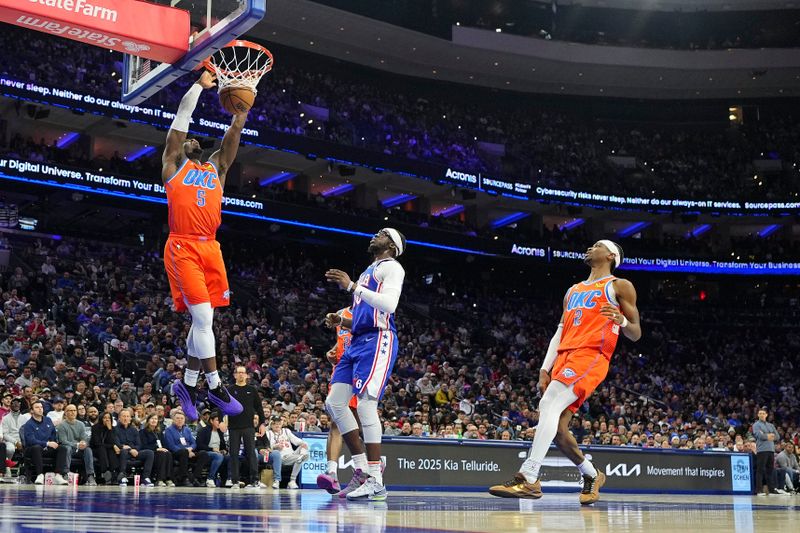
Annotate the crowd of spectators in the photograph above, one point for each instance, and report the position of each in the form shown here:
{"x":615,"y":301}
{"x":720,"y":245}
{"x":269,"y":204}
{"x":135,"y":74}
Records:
{"x":90,"y":325}
{"x":753,"y":247}
{"x":501,"y":134}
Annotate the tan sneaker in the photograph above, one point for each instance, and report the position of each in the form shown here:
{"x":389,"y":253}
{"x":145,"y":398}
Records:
{"x":518,"y":487}
{"x":591,"y":488}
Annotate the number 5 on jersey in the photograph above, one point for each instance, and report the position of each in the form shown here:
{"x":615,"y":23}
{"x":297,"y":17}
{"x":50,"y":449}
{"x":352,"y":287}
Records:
{"x":201,"y":197}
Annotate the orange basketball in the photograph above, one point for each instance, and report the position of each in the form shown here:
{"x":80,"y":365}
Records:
{"x":236,"y":99}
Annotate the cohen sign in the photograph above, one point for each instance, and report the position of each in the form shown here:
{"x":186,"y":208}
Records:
{"x":113,"y":24}
{"x":475,"y":465}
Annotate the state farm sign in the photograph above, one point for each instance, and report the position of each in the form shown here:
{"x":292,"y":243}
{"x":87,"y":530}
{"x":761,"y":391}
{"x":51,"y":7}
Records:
{"x":148,"y":30}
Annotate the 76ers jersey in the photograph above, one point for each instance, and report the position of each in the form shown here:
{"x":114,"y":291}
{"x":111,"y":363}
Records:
{"x":584,"y":326}
{"x":194,"y":197}
{"x":365,"y":317}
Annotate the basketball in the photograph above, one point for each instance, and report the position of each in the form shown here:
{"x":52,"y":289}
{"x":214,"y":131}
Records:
{"x":236,"y":99}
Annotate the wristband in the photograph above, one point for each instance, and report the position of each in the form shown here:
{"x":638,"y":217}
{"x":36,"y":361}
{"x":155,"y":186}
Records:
{"x":350,"y":287}
{"x":624,"y":322}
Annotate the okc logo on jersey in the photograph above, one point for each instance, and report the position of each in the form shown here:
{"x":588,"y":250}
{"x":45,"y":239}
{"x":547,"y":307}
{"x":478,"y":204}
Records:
{"x":201,"y":178}
{"x":583,"y":300}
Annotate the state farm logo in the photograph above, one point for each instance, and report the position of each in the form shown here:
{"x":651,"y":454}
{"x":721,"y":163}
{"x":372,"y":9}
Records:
{"x":80,"y":7}
{"x":133,"y":47}
{"x":623,"y":470}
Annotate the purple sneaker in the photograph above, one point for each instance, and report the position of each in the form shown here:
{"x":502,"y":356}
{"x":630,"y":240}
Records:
{"x":329,"y":483}
{"x":228,"y":405}
{"x":359,"y":478}
{"x":186,"y":396}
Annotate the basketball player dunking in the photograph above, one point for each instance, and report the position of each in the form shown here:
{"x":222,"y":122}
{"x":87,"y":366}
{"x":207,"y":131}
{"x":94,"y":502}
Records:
{"x":192,"y":255}
{"x":595,"y":311}
{"x":366,"y":364}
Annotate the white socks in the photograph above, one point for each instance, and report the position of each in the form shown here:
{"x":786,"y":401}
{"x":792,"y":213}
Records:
{"x":375,"y":471}
{"x":333,"y":468}
{"x":213,"y":380}
{"x":190,"y":377}
{"x":587,"y":469}
{"x":360,"y":462}
{"x":530,"y":469}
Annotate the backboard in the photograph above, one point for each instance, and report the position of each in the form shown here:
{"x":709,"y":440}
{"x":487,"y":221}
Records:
{"x":214,"y":24}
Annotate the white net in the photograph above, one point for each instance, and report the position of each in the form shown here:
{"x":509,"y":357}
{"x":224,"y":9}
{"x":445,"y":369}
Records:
{"x":241,"y":64}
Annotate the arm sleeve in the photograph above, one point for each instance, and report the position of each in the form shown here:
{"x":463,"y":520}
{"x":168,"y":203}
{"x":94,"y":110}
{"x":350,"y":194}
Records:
{"x":390,"y":276}
{"x":184,"y":115}
{"x":552,"y":349}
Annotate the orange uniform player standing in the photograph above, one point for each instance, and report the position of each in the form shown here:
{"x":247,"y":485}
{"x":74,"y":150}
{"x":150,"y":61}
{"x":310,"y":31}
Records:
{"x":329,"y":480}
{"x":192,"y":255}
{"x":577,"y":360}
{"x":588,"y":338}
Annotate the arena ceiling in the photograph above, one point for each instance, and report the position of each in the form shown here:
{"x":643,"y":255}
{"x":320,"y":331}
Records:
{"x":686,"y":6}
{"x":511,"y":62}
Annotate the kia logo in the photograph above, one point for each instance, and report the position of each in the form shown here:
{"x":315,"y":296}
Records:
{"x":622,"y":470}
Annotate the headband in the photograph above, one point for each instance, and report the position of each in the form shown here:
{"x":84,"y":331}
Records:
{"x":614,"y":249}
{"x":394,"y":235}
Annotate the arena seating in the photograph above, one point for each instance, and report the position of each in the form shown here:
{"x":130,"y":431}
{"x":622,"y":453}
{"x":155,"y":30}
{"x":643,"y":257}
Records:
{"x":549,"y":144}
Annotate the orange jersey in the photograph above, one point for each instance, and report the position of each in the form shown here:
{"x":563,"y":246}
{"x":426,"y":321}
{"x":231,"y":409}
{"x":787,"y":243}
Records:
{"x":584,"y":326}
{"x":194,"y":198}
{"x":343,"y":336}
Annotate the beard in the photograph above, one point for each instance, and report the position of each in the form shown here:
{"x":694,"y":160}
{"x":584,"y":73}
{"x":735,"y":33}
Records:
{"x":374,"y":248}
{"x":196,"y":154}
{"x":588,"y":260}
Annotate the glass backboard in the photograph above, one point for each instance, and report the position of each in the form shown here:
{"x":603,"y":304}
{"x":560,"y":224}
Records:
{"x":214,"y":24}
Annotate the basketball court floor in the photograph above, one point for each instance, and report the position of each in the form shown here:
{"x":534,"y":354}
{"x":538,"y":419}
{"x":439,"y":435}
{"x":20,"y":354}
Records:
{"x":129,"y":510}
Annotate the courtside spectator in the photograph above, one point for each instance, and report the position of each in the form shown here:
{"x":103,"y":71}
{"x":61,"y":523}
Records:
{"x":294,"y":450}
{"x":180,"y":441}
{"x":127,"y":445}
{"x":40,"y":440}
{"x":72,"y":434}
{"x":211,"y":439}
{"x":152,"y":438}
{"x":103,"y":447}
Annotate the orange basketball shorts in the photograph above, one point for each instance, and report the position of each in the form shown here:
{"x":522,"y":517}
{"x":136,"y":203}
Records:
{"x":585,"y":369}
{"x":196,"y":272}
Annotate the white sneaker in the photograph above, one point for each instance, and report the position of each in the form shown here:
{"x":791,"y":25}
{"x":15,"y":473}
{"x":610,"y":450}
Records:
{"x":293,"y":485}
{"x":39,"y":480}
{"x":123,"y":482}
{"x":276,"y":484}
{"x":58,"y":479}
{"x":371,"y":490}
{"x":761,"y":494}
{"x":210,"y":484}
{"x":229,"y":483}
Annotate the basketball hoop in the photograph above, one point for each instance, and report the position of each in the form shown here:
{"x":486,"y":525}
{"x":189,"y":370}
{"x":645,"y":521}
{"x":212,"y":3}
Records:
{"x":240,"y":65}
